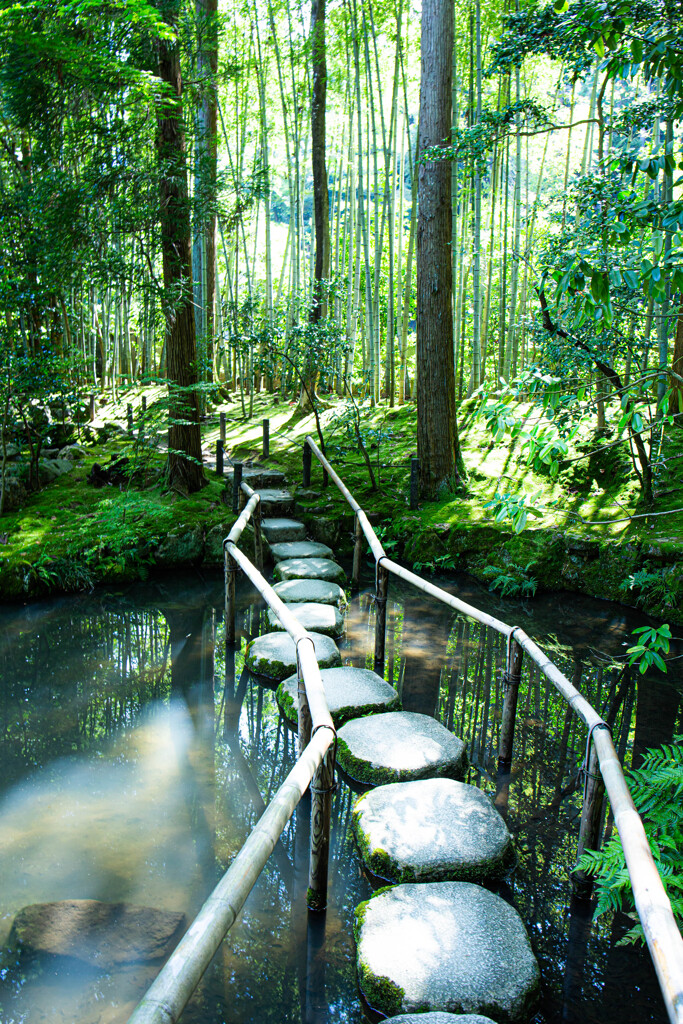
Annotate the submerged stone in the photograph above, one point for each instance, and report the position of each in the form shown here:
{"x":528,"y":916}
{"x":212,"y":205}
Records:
{"x":309,"y":569}
{"x":431,"y":830}
{"x":445,"y":946}
{"x":276,"y":531}
{"x":398,"y":748}
{"x":104,"y":934}
{"x":318,"y":591}
{"x":350,"y":692}
{"x":300,"y":549}
{"x":274,"y":654}
{"x":317,"y":618}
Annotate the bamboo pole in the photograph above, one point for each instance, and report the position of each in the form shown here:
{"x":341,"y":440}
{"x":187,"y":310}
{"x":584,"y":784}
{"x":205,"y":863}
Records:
{"x":512,"y":679}
{"x":590,"y":831}
{"x":381,"y":590}
{"x":304,"y":712}
{"x":357,"y":554}
{"x":230,"y":580}
{"x":322,"y":788}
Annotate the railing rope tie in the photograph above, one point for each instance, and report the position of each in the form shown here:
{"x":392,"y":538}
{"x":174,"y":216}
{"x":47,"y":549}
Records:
{"x":583,"y":770}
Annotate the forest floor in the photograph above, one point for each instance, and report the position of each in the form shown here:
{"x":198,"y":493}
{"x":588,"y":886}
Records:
{"x":589,"y":533}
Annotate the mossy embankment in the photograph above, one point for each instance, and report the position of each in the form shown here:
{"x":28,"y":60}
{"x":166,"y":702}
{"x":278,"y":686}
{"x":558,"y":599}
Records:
{"x":591,"y":535}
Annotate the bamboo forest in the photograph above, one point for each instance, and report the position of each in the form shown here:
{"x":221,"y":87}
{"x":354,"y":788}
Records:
{"x":341,"y":511}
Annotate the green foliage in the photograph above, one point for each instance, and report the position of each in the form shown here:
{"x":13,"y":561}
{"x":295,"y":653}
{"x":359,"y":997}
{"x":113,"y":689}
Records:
{"x":435,"y":564}
{"x":657,"y":791}
{"x":652,"y":586}
{"x":513,"y":507}
{"x":512,"y":580}
{"x":646,"y":653}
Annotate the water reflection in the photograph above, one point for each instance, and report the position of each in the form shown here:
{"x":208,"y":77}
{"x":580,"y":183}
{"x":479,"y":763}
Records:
{"x":137,"y":755}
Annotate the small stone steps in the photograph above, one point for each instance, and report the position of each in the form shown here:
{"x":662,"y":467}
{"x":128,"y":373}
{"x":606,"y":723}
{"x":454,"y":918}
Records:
{"x":399,"y":747}
{"x":259,"y":476}
{"x":309,"y":569}
{"x":445,"y":946}
{"x":300,"y":549}
{"x":273,"y":655}
{"x":431,"y":830}
{"x":278,"y":500}
{"x":316,"y":618}
{"x":278,"y":531}
{"x":318,"y":591}
{"x":350,"y":692}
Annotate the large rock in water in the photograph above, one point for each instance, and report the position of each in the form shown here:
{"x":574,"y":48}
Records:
{"x":273,"y":655}
{"x":300,"y":549}
{"x":318,"y":618}
{"x":431,"y":830}
{"x":398,"y":748}
{"x":309,"y":569}
{"x":349,"y":692}
{"x":445,"y":946}
{"x":103,"y":934}
{"x":439,"y":1018}
{"x":276,"y":531}
{"x":302,"y":591}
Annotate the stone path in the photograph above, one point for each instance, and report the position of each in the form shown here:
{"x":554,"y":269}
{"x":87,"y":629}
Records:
{"x":435,"y":948}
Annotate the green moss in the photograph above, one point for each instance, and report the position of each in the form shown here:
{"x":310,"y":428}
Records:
{"x":381,"y":993}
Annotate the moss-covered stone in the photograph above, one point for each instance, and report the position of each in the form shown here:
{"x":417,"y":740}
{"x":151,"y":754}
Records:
{"x":350,"y":693}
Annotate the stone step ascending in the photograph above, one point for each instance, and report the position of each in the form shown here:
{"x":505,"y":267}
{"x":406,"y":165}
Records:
{"x":278,"y":531}
{"x":273,"y":655}
{"x":431,"y":830}
{"x":300,"y":549}
{"x":309,"y":569}
{"x":316,"y":618}
{"x":398,"y":748}
{"x":276,"y":500}
{"x":318,"y":591}
{"x":350,"y":692}
{"x":259,"y":476}
{"x":449,"y":946}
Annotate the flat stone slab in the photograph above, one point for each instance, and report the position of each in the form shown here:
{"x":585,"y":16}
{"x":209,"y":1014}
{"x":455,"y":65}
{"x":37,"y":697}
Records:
{"x":275,"y":499}
{"x":445,"y":946}
{"x":309,"y":569}
{"x":350,"y":692}
{"x":300,"y":549}
{"x":316,"y":618}
{"x":104,"y":934}
{"x":398,"y":748}
{"x":273,"y":655}
{"x":259,"y":476}
{"x":431,"y":830}
{"x":439,"y":1018}
{"x":318,"y":591}
{"x":276,"y":531}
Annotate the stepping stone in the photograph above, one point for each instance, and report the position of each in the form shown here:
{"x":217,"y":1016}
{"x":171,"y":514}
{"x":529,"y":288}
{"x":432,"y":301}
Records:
{"x":439,"y":1018}
{"x":259,"y":476}
{"x":350,"y":692}
{"x":445,"y":946}
{"x":316,"y":618}
{"x":273,"y":655}
{"x":309,"y":569}
{"x":318,"y":591}
{"x":399,"y":747}
{"x":300,"y":549}
{"x":431,"y":830}
{"x":276,"y":531}
{"x":275,"y":500}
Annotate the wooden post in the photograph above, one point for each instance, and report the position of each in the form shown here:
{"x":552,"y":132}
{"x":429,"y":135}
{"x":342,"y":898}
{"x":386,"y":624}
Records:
{"x":511,"y":680}
{"x":590,"y":832}
{"x":414,"y":482}
{"x":236,"y":486}
{"x":304,"y":717}
{"x":258,"y":537}
{"x":129,"y":417}
{"x":307,"y":455}
{"x":357,"y":554}
{"x":219,"y":457}
{"x":380,"y":617}
{"x":222,"y":422}
{"x":144,"y":404}
{"x":322,"y":789}
{"x":230,"y":581}
{"x":91,"y":408}
{"x":266,"y":438}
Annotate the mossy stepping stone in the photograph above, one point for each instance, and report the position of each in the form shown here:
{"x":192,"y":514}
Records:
{"x":439,"y":1018}
{"x":318,"y":591}
{"x":431,"y":830}
{"x":316,"y":618}
{"x":445,"y":946}
{"x":274,"y":654}
{"x":350,"y":692}
{"x":276,"y":531}
{"x":309,"y":569}
{"x":300,"y":549}
{"x":276,"y":500}
{"x":398,"y":748}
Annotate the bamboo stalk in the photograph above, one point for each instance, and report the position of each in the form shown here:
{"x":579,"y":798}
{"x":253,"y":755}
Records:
{"x":513,"y":675}
{"x":381,"y":617}
{"x":357,"y":554}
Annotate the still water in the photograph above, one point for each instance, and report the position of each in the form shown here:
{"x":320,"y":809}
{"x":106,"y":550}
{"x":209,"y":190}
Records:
{"x":136,"y":757}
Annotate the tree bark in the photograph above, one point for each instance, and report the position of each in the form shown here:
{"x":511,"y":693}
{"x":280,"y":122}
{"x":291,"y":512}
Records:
{"x":437,"y":435}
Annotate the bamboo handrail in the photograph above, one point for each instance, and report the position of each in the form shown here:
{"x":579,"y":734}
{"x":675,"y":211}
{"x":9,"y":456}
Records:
{"x":663,"y":938}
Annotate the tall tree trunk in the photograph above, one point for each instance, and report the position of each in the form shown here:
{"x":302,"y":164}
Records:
{"x":204,"y":255}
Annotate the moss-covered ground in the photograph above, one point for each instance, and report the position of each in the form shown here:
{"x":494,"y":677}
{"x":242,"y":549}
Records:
{"x":592,"y":533}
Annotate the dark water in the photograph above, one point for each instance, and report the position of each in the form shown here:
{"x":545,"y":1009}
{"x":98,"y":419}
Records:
{"x":136,"y":758}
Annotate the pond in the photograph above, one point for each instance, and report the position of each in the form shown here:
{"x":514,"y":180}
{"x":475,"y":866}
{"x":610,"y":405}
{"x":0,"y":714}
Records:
{"x":137,"y":756}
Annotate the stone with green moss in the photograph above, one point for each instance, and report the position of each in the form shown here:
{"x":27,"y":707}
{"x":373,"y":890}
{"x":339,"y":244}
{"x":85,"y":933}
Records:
{"x":398,"y":748}
{"x":439,"y":1018}
{"x":449,"y":947}
{"x":273,"y":655}
{"x":350,"y":692}
{"x":309,"y":569}
{"x":431,"y":830}
{"x":319,"y":591}
{"x":317,"y":618}
{"x":300,"y":549}
{"x":276,"y":531}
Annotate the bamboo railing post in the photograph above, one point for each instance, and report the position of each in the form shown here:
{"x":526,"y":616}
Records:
{"x":511,"y":681}
{"x":91,"y":408}
{"x":357,"y":554}
{"x":590,"y":832}
{"x":236,"y":486}
{"x":304,"y":716}
{"x":258,"y":538}
{"x":322,"y":788}
{"x":307,"y":456}
{"x":219,"y":457}
{"x":222,"y":426}
{"x":230,"y":582}
{"x":382,"y":588}
{"x":266,"y":438}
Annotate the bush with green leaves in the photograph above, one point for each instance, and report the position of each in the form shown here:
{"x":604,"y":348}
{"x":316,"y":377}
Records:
{"x":652,"y":642}
{"x":657,"y":791}
{"x":512,"y":580}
